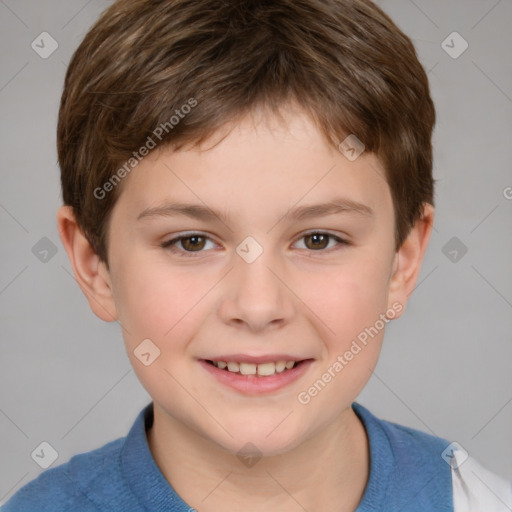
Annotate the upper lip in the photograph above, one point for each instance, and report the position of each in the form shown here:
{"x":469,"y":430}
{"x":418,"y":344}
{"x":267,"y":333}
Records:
{"x":245,"y":358}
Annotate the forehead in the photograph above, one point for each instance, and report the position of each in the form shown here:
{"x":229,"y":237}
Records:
{"x":258,"y":165}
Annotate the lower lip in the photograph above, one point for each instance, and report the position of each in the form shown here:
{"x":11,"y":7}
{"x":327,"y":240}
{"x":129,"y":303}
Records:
{"x":254,"y":385}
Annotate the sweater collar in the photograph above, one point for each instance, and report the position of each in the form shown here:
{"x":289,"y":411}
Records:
{"x":386,"y":481}
{"x":141,"y":471}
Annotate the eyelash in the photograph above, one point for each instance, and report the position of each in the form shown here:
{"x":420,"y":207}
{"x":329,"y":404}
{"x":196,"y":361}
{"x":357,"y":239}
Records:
{"x":171,"y":244}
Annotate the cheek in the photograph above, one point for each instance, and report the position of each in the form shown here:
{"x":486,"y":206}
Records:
{"x":360,"y":324}
{"x":352,"y":331}
{"x":345,"y":299}
{"x":349,"y":302}
{"x":163,"y":306}
{"x":150,"y":300}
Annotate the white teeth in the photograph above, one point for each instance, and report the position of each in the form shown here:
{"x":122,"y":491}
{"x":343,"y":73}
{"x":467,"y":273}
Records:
{"x":280,"y":366}
{"x":248,"y":369}
{"x":266,"y":369}
{"x":262,"y":369}
{"x":233,"y":367}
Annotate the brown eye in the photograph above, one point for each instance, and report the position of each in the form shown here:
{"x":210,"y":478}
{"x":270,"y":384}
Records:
{"x":188,"y":245}
{"x":318,"y":240}
{"x":193,"y":243}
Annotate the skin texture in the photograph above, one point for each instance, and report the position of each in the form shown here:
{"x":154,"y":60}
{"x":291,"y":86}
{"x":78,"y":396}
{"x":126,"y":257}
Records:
{"x":294,"y":298}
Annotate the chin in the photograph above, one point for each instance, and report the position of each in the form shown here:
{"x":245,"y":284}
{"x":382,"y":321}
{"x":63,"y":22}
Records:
{"x":260,"y":440}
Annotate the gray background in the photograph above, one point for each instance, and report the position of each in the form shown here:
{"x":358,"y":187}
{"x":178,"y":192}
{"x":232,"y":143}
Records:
{"x":446,"y":364}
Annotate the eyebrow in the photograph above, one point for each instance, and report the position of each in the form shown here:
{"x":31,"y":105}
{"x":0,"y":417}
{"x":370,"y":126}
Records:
{"x":200,"y":212}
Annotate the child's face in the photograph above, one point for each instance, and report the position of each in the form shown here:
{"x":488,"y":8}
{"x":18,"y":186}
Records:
{"x":294,"y":301}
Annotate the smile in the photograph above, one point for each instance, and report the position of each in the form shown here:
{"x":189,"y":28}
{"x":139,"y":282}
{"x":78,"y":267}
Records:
{"x":261,"y":369}
{"x":256,"y":378}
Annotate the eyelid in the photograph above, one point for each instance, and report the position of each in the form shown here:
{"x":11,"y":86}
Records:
{"x":341,"y":241}
{"x":171,"y":243}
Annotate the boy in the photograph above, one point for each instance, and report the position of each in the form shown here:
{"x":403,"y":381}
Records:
{"x":248,"y":190}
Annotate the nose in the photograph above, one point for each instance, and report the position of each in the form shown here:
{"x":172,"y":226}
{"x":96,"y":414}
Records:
{"x":257,"y":296}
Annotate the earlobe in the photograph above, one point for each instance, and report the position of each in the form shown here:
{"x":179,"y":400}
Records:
{"x":408,"y":260}
{"x":90,"y":272}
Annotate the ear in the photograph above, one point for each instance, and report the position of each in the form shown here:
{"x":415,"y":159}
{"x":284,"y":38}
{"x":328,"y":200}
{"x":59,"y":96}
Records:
{"x":408,"y":260}
{"x":90,"y":272}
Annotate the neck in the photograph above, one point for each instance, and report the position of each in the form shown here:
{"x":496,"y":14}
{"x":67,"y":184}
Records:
{"x":327,"y":472}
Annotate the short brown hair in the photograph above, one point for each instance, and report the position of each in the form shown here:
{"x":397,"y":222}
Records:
{"x":345,"y":62}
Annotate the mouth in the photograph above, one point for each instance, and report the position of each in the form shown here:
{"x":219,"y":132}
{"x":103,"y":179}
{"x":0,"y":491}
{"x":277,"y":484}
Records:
{"x":266,"y":369}
{"x":256,"y":377}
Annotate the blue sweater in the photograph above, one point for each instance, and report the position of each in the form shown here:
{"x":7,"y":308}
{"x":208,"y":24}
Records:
{"x":407,"y":474}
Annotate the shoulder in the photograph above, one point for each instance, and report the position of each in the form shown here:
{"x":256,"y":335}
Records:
{"x":407,"y":444}
{"x":67,"y":486}
{"x":474,"y":487}
{"x":426,"y":472}
{"x":407,"y":471}
{"x":403,"y":437}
